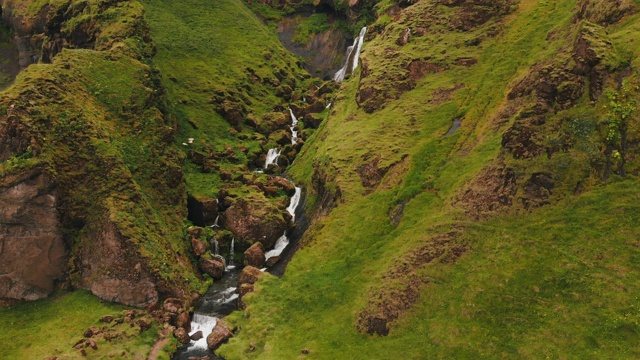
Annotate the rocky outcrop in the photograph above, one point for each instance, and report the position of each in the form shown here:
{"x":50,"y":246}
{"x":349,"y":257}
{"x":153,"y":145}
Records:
{"x":109,"y":271}
{"x":253,"y":220}
{"x":212,"y":267}
{"x":32,"y":251}
{"x":604,"y":12}
{"x":219,"y":335}
{"x":254,"y":255}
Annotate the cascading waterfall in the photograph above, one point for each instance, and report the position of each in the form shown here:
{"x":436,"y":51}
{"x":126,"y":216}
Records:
{"x":230,"y":264}
{"x":353,"y":57}
{"x":294,"y":123}
{"x":283,"y":241}
{"x":215,"y":247}
{"x":272,"y":157}
{"x":204,"y":323}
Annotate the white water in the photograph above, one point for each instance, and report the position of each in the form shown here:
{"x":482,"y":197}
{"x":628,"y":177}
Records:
{"x":294,"y":123}
{"x":215,"y":223}
{"x":357,"y":46}
{"x":272,"y":157}
{"x":204,"y":323}
{"x":231,"y":265}
{"x":281,"y":244}
{"x":215,"y":247}
{"x":293,"y":204}
{"x":283,"y":241}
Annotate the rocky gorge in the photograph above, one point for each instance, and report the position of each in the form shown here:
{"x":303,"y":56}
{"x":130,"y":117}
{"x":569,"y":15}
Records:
{"x":171,"y":158}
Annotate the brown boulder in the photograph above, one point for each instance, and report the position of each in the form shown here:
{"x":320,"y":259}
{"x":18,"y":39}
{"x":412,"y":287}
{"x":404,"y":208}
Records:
{"x":184,"y":321}
{"x":202,"y":210}
{"x":172,"y":305}
{"x":255,"y":219}
{"x":272,"y":261}
{"x":249,"y":275}
{"x":283,"y":183}
{"x":213,"y":268}
{"x":220,"y":334}
{"x":254,"y":256}
{"x":182,"y":335}
{"x":198,"y":247}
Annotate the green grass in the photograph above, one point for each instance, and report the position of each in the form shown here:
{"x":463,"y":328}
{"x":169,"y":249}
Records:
{"x":50,"y":327}
{"x":558,"y":282}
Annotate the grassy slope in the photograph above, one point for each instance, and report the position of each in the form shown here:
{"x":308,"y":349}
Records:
{"x":207,"y":46}
{"x":50,"y":327}
{"x":559,"y":282}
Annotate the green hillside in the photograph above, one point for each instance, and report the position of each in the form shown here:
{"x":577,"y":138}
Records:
{"x":470,"y":192}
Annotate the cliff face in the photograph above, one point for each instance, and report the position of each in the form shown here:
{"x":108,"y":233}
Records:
{"x":32,"y":250}
{"x":85,"y":152}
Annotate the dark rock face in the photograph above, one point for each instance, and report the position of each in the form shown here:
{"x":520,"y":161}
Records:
{"x":107,"y":270}
{"x":604,"y":12}
{"x":202,"y":210}
{"x":32,"y":251}
{"x":220,"y":334}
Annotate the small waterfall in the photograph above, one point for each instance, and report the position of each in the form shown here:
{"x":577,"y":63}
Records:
{"x":215,"y":247}
{"x":283,"y":241}
{"x":294,"y":123}
{"x":293,"y":204}
{"x":204,"y":323}
{"x":231,"y":265}
{"x":279,"y":247}
{"x":272,"y":157}
{"x":352,"y":58}
{"x":215,"y":223}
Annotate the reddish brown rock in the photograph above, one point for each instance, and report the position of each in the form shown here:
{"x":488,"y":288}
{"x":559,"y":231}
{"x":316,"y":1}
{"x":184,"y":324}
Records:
{"x":197,"y":335}
{"x":184,"y":321}
{"x":284,"y":184}
{"x":202,"y":210}
{"x":254,"y":256}
{"x":255,"y":219}
{"x":220,"y":334}
{"x":32,"y":252}
{"x":272,"y":261}
{"x":172,"y":305}
{"x":243,"y":290}
{"x":182,"y":335}
{"x":213,"y":268}
{"x":198,"y":247}
{"x":249,"y":275}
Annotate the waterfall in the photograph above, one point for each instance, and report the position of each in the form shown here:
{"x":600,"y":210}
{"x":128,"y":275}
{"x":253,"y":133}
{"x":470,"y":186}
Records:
{"x":283,"y":241}
{"x":204,"y":323}
{"x":231,"y":265}
{"x":215,"y":223}
{"x":293,"y":204}
{"x":215,"y":247}
{"x":294,"y":123}
{"x":272,"y":157}
{"x":279,"y":247}
{"x":351,"y":60}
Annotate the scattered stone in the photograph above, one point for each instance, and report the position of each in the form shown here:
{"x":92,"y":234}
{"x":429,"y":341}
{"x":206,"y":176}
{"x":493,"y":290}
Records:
{"x":252,"y":347}
{"x":106,"y":319}
{"x":254,"y":255}
{"x":83,"y":352}
{"x":144,"y":325}
{"x":243,"y":290}
{"x":272,"y":261}
{"x":182,"y":335}
{"x":305,"y":351}
{"x":88,"y":333}
{"x":220,"y":334}
{"x":92,"y":344}
{"x":404,"y":37}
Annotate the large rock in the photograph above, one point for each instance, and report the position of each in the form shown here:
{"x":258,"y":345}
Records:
{"x":182,"y":335}
{"x":220,"y":334}
{"x":255,"y":219}
{"x":243,"y":290}
{"x":254,"y":256}
{"x":202,"y":210}
{"x":198,"y":247}
{"x":32,"y":251}
{"x":213,"y":268}
{"x":249,"y":275}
